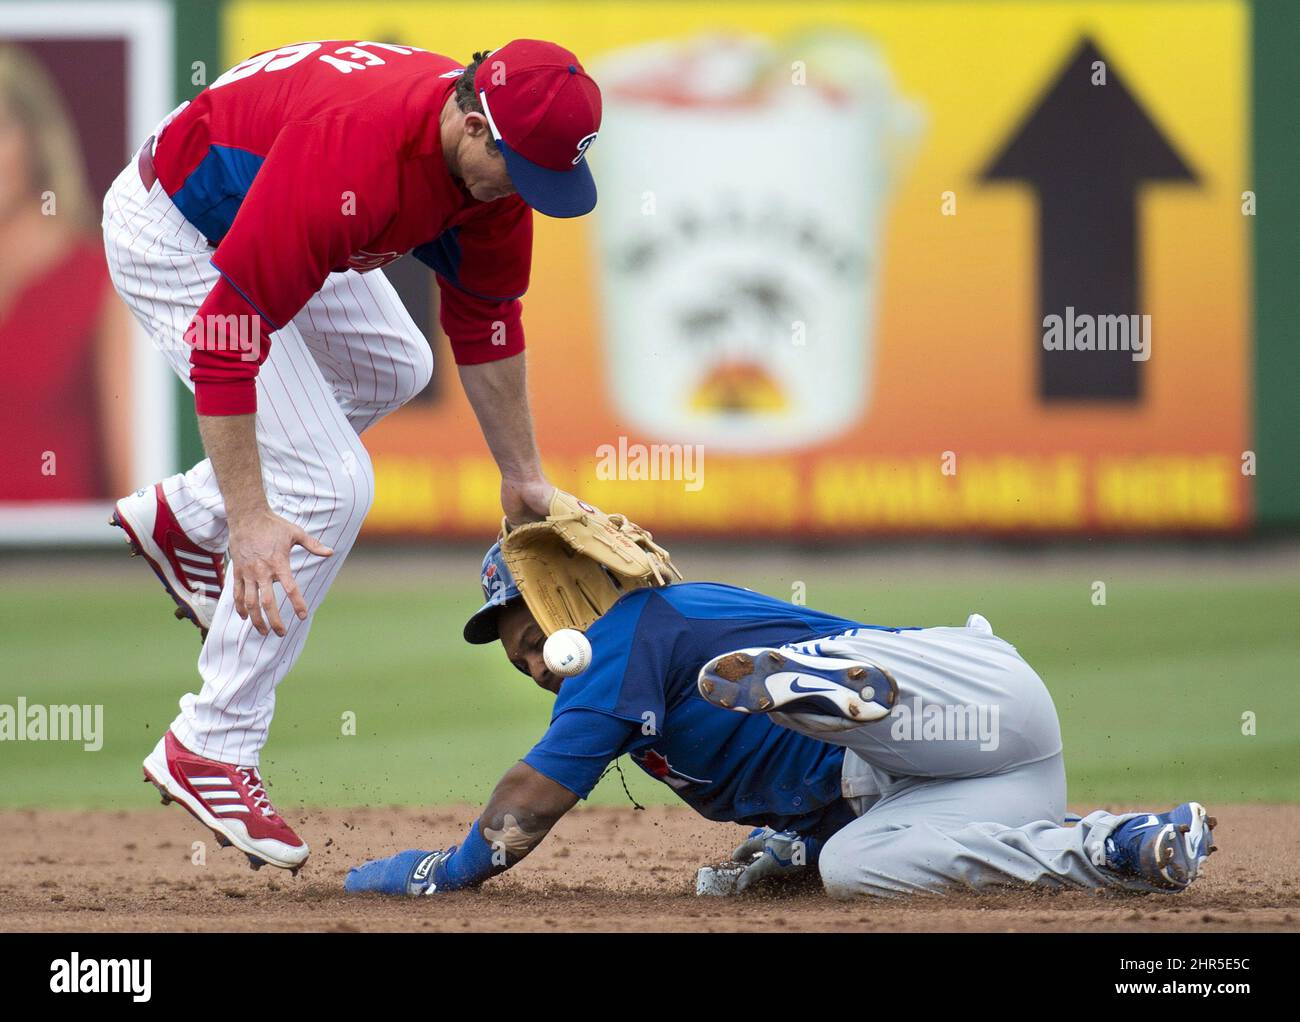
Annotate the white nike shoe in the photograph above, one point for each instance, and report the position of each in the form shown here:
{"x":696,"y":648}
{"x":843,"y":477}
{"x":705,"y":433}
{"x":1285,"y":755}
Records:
{"x":762,"y":679}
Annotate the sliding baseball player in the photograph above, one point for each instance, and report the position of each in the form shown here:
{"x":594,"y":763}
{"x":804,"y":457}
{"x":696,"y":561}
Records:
{"x":888,"y":760}
{"x":244,"y":238}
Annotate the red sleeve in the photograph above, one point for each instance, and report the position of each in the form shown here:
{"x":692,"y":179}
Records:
{"x":322,"y":193}
{"x":480,"y":310}
{"x":229,"y":341}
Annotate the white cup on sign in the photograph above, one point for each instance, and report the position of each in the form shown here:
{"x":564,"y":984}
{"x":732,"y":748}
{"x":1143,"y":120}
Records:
{"x":739,"y":229}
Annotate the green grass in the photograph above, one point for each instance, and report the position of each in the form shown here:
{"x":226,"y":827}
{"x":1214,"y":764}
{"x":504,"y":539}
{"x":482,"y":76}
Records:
{"x":1151,"y":688}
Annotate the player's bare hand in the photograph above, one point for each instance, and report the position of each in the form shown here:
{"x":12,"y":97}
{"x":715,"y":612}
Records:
{"x":259,"y":557}
{"x":526,"y":500}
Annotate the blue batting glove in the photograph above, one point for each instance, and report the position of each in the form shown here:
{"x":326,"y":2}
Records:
{"x":770,"y":853}
{"x":409,"y":872}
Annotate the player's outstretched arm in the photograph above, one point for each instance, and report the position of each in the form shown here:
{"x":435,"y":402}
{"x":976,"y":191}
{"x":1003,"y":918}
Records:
{"x":498,"y":393}
{"x":522,"y":810}
{"x":260,"y":540}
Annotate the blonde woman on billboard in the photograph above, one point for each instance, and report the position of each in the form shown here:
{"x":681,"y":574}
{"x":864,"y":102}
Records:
{"x":65,"y":391}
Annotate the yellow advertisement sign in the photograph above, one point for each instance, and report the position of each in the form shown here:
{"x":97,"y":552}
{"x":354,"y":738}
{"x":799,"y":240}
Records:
{"x":867,"y":268}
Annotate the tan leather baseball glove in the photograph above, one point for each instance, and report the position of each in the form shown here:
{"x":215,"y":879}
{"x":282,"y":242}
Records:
{"x":571,"y":567}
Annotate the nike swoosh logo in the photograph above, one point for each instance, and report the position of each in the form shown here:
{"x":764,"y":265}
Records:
{"x":796,"y":687}
{"x":1150,"y":821}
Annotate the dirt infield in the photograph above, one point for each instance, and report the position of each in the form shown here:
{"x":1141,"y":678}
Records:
{"x":602,"y":869}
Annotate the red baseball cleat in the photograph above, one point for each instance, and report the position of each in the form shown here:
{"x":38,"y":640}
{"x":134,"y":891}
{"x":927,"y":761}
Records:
{"x":192,"y":576}
{"x":228,"y":800}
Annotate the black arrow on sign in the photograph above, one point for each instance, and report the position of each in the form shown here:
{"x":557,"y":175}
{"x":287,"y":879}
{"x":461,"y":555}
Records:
{"x":1086,"y":149}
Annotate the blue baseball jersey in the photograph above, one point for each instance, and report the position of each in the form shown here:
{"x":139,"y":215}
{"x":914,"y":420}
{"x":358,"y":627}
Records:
{"x":639,"y":696}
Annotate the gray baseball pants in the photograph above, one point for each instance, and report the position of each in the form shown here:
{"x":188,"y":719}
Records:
{"x":963,"y":784}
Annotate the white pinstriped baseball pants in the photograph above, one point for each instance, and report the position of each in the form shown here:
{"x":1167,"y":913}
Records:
{"x":350,"y":357}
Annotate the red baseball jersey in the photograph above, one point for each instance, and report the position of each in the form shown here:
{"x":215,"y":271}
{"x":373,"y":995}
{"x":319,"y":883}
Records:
{"x":327,"y":156}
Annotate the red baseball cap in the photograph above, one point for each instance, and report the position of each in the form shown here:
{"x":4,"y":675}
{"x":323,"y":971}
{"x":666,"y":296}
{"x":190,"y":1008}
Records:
{"x":544,"y":111}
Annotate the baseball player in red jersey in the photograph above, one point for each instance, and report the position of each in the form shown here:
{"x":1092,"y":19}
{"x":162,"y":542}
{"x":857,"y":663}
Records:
{"x":242,"y":238}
